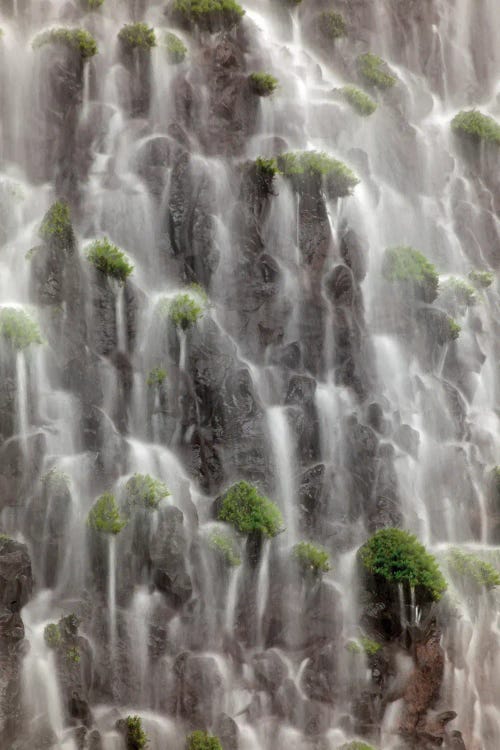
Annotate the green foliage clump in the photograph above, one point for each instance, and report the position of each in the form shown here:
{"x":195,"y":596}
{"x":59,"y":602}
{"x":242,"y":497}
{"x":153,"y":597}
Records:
{"x":211,"y":15}
{"x":136,"y":736}
{"x":176,"y":49}
{"x":453,"y":329}
{"x":144,"y":491}
{"x":56,"y":229}
{"x":482,"y":279}
{"x":266,"y":167}
{"x":199,"y":740}
{"x":156,"y":376}
{"x":406,"y":265}
{"x":109,"y":259}
{"x":104,"y":515}
{"x":399,"y":557}
{"x":353,"y":647}
{"x":311,"y":557}
{"x":184,"y":311}
{"x":475,"y":126}
{"x":372,"y":70}
{"x":370,"y":647}
{"x":76,"y":39}
{"x":331,"y":24}
{"x":223,"y":544}
{"x":359,"y":101}
{"x":459,"y":291}
{"x":477,"y":571}
{"x":17,"y":328}
{"x":73,"y":655}
{"x":137,"y":36}
{"x":263,"y":84}
{"x":52,"y":635}
{"x":55,"y":480}
{"x":339,"y":180}
{"x":93,"y":4}
{"x":249,"y":511}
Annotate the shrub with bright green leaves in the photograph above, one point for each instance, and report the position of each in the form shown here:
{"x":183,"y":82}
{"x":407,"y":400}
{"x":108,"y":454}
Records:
{"x":331,"y":24}
{"x":311,"y":557}
{"x":185,"y":311}
{"x":109,"y":259}
{"x":470,"y":567}
{"x":225,"y":548}
{"x":105,"y":517}
{"x":137,"y":36}
{"x":175,"y":47}
{"x":398,"y":557}
{"x":144,"y":491}
{"x":359,"y":101}
{"x":136,"y":737}
{"x":52,"y":635}
{"x":338,"y":179}
{"x":482,"y":279}
{"x":266,"y":167}
{"x":56,"y":229}
{"x":405,"y":265}
{"x":263,"y":84}
{"x":209,"y":15}
{"x":249,"y":511}
{"x":202,"y":741}
{"x":453,"y":329}
{"x":76,"y":39}
{"x":374,"y":71}
{"x":18,"y":329}
{"x":156,"y":377}
{"x":477,"y":127}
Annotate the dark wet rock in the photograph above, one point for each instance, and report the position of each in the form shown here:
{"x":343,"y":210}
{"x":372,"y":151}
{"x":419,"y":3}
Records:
{"x":198,"y":690}
{"x":16,"y":579}
{"x":270,"y":669}
{"x":135,"y":88}
{"x":20,"y":464}
{"x":226,"y":729}
{"x":361,"y":460}
{"x":340,"y":286}
{"x":375,"y":418}
{"x":322,"y":615}
{"x":168,"y":557}
{"x":354,"y":253}
{"x":288,"y":356}
{"x":407,"y":439}
{"x":319,"y":676}
{"x":312,"y":492}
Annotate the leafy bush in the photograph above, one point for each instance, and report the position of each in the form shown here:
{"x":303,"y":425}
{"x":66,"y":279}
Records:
{"x":312,"y":557}
{"x":331,"y":25}
{"x":109,"y":259}
{"x":17,"y":328}
{"x":374,"y":71}
{"x":52,"y":635}
{"x":477,"y":571}
{"x":136,"y":736}
{"x":266,"y":167}
{"x":338,"y":178}
{"x":406,"y":265}
{"x":104,"y":515}
{"x":454,"y":329}
{"x":137,"y":36}
{"x":482,"y":279}
{"x":263,"y":84}
{"x":202,"y":741}
{"x":458,"y":291}
{"x":398,"y":557}
{"x":210,"y":15}
{"x":184,"y":311}
{"x":475,"y":126}
{"x":76,"y":39}
{"x":250,"y":512}
{"x":359,"y":101}
{"x":56,"y":229}
{"x":143,"y":491}
{"x":156,"y":376}
{"x":223,"y":544}
{"x":370,"y":647}
{"x":176,"y":49}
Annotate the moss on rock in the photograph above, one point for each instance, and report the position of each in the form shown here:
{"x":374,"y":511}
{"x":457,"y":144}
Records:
{"x":405,"y":265}
{"x":374,"y":71}
{"x":306,"y":166}
{"x":359,"y":101}
{"x":76,"y":39}
{"x":137,"y":36}
{"x":18,"y":329}
{"x":250,"y":512}
{"x":263,"y":84}
{"x":474,"y":125}
{"x":175,"y":48}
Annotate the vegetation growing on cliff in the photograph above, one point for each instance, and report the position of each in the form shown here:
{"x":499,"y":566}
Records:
{"x":18,"y":329}
{"x":482,"y":279}
{"x":249,"y":511}
{"x":374,"y":71}
{"x":93,"y":4}
{"x":105,"y":517}
{"x":75,"y":39}
{"x":263,"y":84}
{"x":56,"y":229}
{"x":225,"y":547}
{"x":52,"y":635}
{"x":465,"y":565}
{"x":110,"y":260}
{"x":144,"y":491}
{"x":331,"y":24}
{"x":210,"y":15}
{"x":156,"y":377}
{"x":458,"y":291}
{"x":199,"y":740}
{"x":454,"y":329}
{"x":406,"y":265}
{"x":356,"y":745}
{"x":137,"y":36}
{"x":475,"y":126}
{"x":136,"y":737}
{"x":337,"y":178}
{"x":359,"y":101}
{"x":312,"y":557}
{"x":185,"y":310}
{"x":175,"y":47}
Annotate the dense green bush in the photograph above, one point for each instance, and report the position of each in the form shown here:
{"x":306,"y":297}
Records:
{"x":406,"y":265}
{"x":209,"y":15}
{"x":359,"y":101}
{"x":454,"y":329}
{"x":18,"y":329}
{"x":156,"y":377}
{"x":137,"y":36}
{"x":185,"y":310}
{"x":311,"y":557}
{"x":373,"y":71}
{"x":482,"y":279}
{"x":475,"y":126}
{"x":249,"y":511}
{"x":225,"y":547}
{"x":52,"y":635}
{"x":398,"y":557}
{"x":105,"y":517}
{"x":56,"y":229}
{"x":109,"y":259}
{"x":458,"y":291}
{"x":338,"y":179}
{"x":143,"y":491}
{"x":136,"y":737}
{"x":331,"y":24}
{"x":263,"y":84}
{"x":470,"y":567}
{"x":202,"y":741}
{"x":76,"y":39}
{"x":266,"y":167}
{"x":175,"y":47}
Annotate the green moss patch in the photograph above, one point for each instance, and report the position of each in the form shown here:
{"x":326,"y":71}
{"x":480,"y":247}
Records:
{"x":482,"y":279}
{"x":312,"y":558}
{"x":137,"y":36}
{"x":249,"y":511}
{"x":331,"y":25}
{"x":175,"y":48}
{"x":475,"y":126}
{"x":263,"y":84}
{"x":109,"y":259}
{"x":144,"y":491}
{"x":301,"y":166}
{"x":105,"y":517}
{"x":374,"y":71}
{"x":156,"y":377}
{"x":199,"y":740}
{"x":18,"y":329}
{"x":359,"y":101}
{"x":56,"y":229}
{"x":406,"y":265}
{"x":209,"y":15}
{"x":469,"y":567}
{"x":76,"y":39}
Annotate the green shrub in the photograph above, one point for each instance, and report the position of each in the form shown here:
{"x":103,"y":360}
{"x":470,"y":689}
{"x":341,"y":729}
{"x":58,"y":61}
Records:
{"x":482,"y":279}
{"x":475,"y":570}
{"x":104,"y":515}
{"x":458,"y":291}
{"x":224,"y":546}
{"x":409,"y":266}
{"x":454,"y":329}
{"x":76,"y":39}
{"x":373,"y":71}
{"x":475,"y":126}
{"x":184,"y":311}
{"x":109,"y":259}
{"x":56,"y":229}
{"x":202,"y":741}
{"x":93,"y":4}
{"x":370,"y":647}
{"x":398,"y":557}
{"x":52,"y":635}
{"x":210,"y":15}
{"x":250,"y":512}
{"x":266,"y":167}
{"x":156,"y":377}
{"x":17,"y":328}
{"x":136,"y":736}
{"x":263,"y":84}
{"x":331,"y":25}
{"x":359,"y":101}
{"x":137,"y":36}
{"x":176,"y":49}
{"x":311,"y":557}
{"x":353,"y":647}
{"x":73,"y":655}
{"x":338,"y":179}
{"x":143,"y":491}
